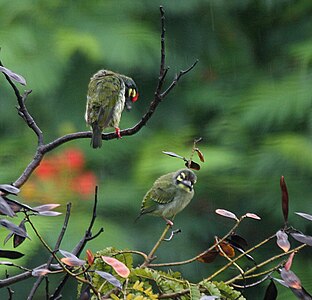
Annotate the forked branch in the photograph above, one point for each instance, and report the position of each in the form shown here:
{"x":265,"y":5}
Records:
{"x":42,"y":148}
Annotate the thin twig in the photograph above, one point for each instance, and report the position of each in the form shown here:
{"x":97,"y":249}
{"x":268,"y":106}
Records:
{"x":271,"y":259}
{"x":81,"y":244}
{"x":188,"y":261}
{"x":150,"y":256}
{"x":162,"y":70}
{"x":22,"y":109}
{"x":56,"y":248}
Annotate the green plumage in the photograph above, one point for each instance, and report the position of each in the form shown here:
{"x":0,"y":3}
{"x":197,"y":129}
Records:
{"x":169,"y":194}
{"x":106,"y":97}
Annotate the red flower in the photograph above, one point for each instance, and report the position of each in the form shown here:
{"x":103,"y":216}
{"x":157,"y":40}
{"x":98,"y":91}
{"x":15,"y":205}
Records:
{"x":47,"y":169}
{"x":73,"y":159}
{"x":85,"y":184}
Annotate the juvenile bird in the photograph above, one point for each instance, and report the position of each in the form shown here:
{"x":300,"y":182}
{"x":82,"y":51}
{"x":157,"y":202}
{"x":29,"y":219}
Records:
{"x":169,"y":194}
{"x":108,"y":94}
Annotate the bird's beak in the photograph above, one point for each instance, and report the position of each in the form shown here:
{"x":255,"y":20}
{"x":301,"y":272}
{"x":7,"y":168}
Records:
{"x":188,"y":184}
{"x":128,"y":104}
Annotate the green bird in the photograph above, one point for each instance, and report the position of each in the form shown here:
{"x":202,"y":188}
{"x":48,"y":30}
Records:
{"x":108,"y":94}
{"x":169,"y":194}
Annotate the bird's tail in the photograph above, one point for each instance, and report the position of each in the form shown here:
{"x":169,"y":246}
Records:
{"x":96,"y":141}
{"x":137,"y":218}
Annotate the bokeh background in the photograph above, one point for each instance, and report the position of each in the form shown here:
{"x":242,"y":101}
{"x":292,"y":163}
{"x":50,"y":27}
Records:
{"x":249,"y":98}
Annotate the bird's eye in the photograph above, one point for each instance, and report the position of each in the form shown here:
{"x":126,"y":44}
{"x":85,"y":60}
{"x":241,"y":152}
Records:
{"x":134,"y":95}
{"x":181,"y":176}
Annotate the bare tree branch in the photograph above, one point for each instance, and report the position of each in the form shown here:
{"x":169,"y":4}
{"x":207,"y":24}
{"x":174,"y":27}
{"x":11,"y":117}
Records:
{"x":42,"y":149}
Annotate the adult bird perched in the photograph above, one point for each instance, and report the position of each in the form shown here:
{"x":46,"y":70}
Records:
{"x":108,"y":94}
{"x":169,"y":194}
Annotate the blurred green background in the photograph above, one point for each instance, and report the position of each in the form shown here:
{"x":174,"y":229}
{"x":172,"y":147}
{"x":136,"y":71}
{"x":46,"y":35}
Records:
{"x":249,"y":98}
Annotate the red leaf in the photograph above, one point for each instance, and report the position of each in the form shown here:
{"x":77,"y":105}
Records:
{"x":253,"y":216}
{"x":120,"y":268}
{"x":226,"y":213}
{"x":289,"y":261}
{"x":282,"y":240}
{"x":70,"y":259}
{"x":73,"y":261}
{"x":200,"y":155}
{"x":291,"y":279}
{"x":285,"y":200}
{"x":208,"y":256}
{"x":192,"y":165}
{"x":227,"y":249}
{"x":40,"y":272}
{"x":90,"y":257}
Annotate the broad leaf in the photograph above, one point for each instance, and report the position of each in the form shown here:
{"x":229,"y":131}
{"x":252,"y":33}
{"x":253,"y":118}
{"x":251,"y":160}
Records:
{"x":40,"y":272}
{"x":237,"y":241}
{"x":90,"y":257}
{"x":17,"y":240}
{"x":10,"y":189}
{"x":282,"y":240}
{"x":5,"y":208}
{"x":13,"y":228}
{"x":271,"y":292}
{"x":110,"y":278}
{"x":288,"y":264}
{"x":11,"y":254}
{"x":253,"y":216}
{"x":172,"y":154}
{"x":45,"y":207}
{"x":304,"y":215}
{"x":70,"y":259}
{"x":67,"y":254}
{"x":305,"y":239}
{"x":208,"y":256}
{"x":49,"y":213}
{"x":226,"y":213}
{"x":227,"y":249}
{"x":200,"y":155}
{"x":291,"y":279}
{"x":192,"y":165}
{"x":18,"y":78}
{"x":120,"y":268}
{"x":73,"y":261}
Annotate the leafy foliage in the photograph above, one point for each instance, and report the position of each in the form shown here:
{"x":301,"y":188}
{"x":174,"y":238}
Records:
{"x":249,"y":100}
{"x":148,"y":283}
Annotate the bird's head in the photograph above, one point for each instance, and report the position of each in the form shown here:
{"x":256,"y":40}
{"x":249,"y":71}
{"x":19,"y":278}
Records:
{"x":185,"y":179}
{"x":131,"y":93}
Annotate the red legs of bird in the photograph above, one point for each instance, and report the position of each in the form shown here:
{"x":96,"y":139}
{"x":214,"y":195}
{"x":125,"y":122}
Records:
{"x":168,"y":221}
{"x":117,"y":130}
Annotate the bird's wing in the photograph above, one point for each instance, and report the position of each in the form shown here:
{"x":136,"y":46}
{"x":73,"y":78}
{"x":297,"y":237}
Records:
{"x":105,"y":93}
{"x":162,"y":192}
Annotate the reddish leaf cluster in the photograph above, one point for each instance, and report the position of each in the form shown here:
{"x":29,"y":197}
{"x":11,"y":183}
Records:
{"x":63,"y":172}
